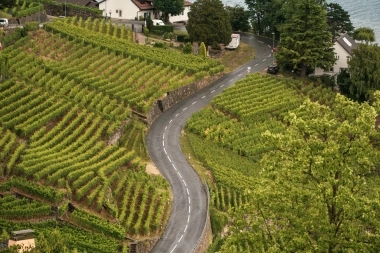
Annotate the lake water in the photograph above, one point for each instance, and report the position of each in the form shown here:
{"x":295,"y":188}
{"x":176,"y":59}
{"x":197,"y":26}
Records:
{"x":362,"y":13}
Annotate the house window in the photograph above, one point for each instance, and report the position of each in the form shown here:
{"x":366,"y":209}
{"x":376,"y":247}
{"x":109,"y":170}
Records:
{"x":336,"y":56}
{"x":117,"y":11}
{"x":348,"y":58}
{"x":120,"y":13}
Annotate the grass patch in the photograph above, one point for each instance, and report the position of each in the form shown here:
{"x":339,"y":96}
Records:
{"x":187,"y":150}
{"x":4,"y":14}
{"x":232,"y":59}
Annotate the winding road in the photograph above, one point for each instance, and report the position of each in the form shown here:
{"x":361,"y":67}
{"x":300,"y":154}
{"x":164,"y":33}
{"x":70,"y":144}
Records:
{"x":189,"y":207}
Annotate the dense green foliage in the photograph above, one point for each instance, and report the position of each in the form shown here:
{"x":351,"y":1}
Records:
{"x":239,"y":18}
{"x":209,"y":22}
{"x":289,"y":181}
{"x":364,"y":69}
{"x":63,"y":237}
{"x":306,"y":42}
{"x":169,"y":7}
{"x":365,"y":34}
{"x":338,"y":20}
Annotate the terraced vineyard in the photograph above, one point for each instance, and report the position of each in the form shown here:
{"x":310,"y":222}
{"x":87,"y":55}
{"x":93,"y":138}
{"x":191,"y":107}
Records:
{"x":227,"y":138}
{"x":67,"y":135}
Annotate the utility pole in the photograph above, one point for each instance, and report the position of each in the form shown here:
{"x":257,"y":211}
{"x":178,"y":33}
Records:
{"x":273,"y":48}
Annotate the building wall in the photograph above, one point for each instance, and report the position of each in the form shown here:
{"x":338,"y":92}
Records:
{"x":341,"y":61}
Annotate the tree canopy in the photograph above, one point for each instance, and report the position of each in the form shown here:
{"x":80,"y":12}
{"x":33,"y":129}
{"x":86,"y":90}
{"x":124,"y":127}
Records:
{"x":364,"y":34}
{"x":364,"y":69}
{"x":173,"y":7}
{"x":305,"y":41}
{"x":209,"y":22}
{"x":319,"y":186}
{"x":339,"y":20}
{"x":7,"y":4}
{"x":239,"y":18}
{"x":266,"y":15}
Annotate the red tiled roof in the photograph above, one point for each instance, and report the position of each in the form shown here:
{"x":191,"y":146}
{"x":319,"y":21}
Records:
{"x":145,"y":6}
{"x":187,"y":3}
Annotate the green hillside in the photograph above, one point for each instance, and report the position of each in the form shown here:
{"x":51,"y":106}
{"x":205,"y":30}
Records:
{"x":69,"y":140}
{"x":258,"y":172}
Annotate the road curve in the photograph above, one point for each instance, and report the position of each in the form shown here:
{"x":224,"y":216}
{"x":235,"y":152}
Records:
{"x":189,"y":208}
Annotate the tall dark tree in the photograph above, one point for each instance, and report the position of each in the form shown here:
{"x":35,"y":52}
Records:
{"x":305,"y":41}
{"x":265,"y":15}
{"x":173,"y":7}
{"x":239,"y":18}
{"x":339,"y":20}
{"x":364,"y":69}
{"x":7,"y":4}
{"x":209,"y":22}
{"x":364,"y":34}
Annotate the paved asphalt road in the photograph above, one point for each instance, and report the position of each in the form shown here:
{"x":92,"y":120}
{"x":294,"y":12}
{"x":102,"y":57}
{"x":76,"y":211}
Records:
{"x":189,"y":210}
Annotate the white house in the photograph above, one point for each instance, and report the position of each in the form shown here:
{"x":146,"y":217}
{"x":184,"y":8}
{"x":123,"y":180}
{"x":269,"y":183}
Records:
{"x":135,"y":9}
{"x":342,"y":48}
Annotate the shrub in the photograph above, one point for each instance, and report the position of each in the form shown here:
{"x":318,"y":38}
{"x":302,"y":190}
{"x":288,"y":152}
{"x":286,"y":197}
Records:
{"x":159,"y":45}
{"x":31,"y":26}
{"x":181,"y":37}
{"x":187,"y":49}
{"x":218,"y":220}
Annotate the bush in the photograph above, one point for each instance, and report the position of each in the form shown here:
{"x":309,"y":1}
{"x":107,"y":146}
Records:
{"x":181,"y":37}
{"x":215,"y":45}
{"x":218,"y":220}
{"x":187,"y":39}
{"x":159,"y":45}
{"x":163,"y":28}
{"x":187,"y":49}
{"x":32,"y":26}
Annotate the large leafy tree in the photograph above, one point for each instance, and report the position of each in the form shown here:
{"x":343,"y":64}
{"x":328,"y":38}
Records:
{"x":339,"y":20}
{"x":365,"y":34}
{"x":239,"y":18}
{"x":209,"y":22}
{"x":364,"y":69}
{"x":319,"y":189}
{"x":265,"y":15}
{"x":305,"y":41}
{"x":173,"y":7}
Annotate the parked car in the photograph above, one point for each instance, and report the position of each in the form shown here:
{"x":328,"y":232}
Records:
{"x":3,"y":22}
{"x":158,"y":22}
{"x":273,"y":69}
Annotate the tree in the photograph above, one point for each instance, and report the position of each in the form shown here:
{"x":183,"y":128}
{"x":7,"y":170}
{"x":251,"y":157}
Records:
{"x":173,"y":7}
{"x":202,"y":50}
{"x":209,"y":22}
{"x":266,"y":15}
{"x":339,"y":20}
{"x":319,"y":186}
{"x":239,"y":18}
{"x":7,"y":4}
{"x":364,"y":34}
{"x":364,"y":69}
{"x":305,"y":41}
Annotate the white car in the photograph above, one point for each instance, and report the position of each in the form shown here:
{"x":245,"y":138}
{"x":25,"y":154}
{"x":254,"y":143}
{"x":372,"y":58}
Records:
{"x":3,"y":22}
{"x":158,"y":22}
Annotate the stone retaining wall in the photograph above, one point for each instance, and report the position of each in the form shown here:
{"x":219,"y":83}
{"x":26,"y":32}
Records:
{"x":175,"y":96}
{"x":42,"y":17}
